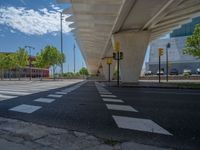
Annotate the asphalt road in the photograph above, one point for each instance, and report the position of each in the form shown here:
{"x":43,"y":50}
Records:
{"x":173,"y":114}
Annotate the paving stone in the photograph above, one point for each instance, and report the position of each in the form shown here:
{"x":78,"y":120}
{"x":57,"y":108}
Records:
{"x":80,"y":134}
{"x":136,"y":146}
{"x":101,"y":147}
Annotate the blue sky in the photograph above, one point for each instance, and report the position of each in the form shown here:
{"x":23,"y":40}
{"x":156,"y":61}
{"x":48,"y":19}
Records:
{"x":36,"y":23}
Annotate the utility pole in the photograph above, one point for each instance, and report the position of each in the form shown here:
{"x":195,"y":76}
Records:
{"x":160,"y":53}
{"x":74,"y":58}
{"x":167,"y":66}
{"x":109,"y":62}
{"x":30,"y":65}
{"x":61,"y":40}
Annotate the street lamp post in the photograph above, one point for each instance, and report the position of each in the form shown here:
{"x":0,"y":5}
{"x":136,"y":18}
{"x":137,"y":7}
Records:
{"x":30,"y":67}
{"x":61,"y":40}
{"x":74,"y":58}
{"x":109,"y":62}
{"x":167,"y":66}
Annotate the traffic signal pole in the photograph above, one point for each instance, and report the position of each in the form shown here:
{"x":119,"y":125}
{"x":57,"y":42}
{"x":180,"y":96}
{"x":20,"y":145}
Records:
{"x":159,"y":69}
{"x":118,"y":57}
{"x":108,"y":72}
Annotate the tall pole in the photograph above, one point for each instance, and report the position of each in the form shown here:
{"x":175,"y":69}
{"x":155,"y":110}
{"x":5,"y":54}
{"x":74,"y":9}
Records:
{"x":74,"y":59}
{"x":159,"y":68}
{"x":118,"y":57}
{"x":108,"y":72}
{"x":167,"y":66}
{"x":61,"y":40}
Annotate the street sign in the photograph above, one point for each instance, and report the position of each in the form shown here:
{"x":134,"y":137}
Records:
{"x":109,"y":61}
{"x":117,"y":46}
{"x":160,"y":51}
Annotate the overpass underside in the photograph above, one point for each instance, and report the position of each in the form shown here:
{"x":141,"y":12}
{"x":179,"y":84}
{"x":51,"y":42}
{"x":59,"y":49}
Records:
{"x":99,"y":24}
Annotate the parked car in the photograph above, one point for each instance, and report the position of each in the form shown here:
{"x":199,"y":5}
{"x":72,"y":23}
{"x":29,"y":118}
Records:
{"x":187,"y":72}
{"x":198,"y":70}
{"x":173,"y":71}
{"x":147,"y":73}
{"x":161,"y":72}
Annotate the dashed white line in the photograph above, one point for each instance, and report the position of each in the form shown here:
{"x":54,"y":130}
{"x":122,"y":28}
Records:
{"x":25,"y":108}
{"x":104,"y":95}
{"x":7,"y":96}
{"x":45,"y":100}
{"x":61,"y":93}
{"x":112,"y":100}
{"x":55,"y":95}
{"x":145,"y":125}
{"x":121,"y":107}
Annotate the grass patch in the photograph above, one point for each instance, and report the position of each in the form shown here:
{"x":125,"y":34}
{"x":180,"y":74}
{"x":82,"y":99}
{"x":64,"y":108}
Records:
{"x":189,"y":85}
{"x":111,"y":142}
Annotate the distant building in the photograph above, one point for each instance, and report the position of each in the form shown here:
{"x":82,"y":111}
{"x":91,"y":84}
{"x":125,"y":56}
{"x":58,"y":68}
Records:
{"x":176,"y":57}
{"x":26,"y":72}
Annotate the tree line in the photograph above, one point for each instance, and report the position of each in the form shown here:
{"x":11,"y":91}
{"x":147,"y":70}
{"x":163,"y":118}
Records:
{"x":49,"y":56}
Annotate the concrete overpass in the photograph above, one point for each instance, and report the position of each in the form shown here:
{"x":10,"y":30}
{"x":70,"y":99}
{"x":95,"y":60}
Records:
{"x":98,"y":24}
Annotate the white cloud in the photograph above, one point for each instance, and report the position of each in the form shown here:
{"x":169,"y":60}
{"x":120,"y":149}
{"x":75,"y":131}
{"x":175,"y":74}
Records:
{"x":55,"y":7}
{"x":32,"y":22}
{"x":12,"y":31}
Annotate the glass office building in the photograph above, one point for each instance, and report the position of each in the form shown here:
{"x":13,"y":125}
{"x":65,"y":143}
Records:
{"x":177,"y":59}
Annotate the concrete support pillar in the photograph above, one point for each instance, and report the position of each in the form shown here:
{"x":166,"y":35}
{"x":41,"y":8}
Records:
{"x":133,"y":45}
{"x":106,"y":69}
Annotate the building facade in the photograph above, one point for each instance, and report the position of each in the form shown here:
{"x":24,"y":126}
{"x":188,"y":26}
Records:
{"x":29,"y":71}
{"x":176,"y":58}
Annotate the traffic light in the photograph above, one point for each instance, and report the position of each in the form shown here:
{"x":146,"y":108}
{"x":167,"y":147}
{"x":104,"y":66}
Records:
{"x":114,"y":56}
{"x":160,"y":51}
{"x":121,"y":55}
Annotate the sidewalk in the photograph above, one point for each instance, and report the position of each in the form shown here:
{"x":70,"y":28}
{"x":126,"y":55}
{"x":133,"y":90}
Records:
{"x":155,"y":84}
{"x":20,"y":135}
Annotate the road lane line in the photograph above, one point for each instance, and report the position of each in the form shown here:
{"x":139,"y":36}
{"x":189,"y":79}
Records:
{"x":120,"y":107}
{"x":25,"y":108}
{"x":14,"y":93}
{"x":104,"y":95}
{"x":45,"y":100}
{"x":112,"y":100}
{"x":55,"y":95}
{"x":61,"y":93}
{"x":7,"y":96}
{"x":138,"y":124}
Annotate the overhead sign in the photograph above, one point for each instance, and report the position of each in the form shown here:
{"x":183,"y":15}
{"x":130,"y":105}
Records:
{"x":117,"y":46}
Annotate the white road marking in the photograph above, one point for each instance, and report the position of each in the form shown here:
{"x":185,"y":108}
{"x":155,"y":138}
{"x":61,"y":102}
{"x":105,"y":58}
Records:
{"x":14,"y":93}
{"x":44,"y":100}
{"x":61,"y":93}
{"x":25,"y":108}
{"x":112,"y":100}
{"x":7,"y":96}
{"x":54,"y":95}
{"x":145,"y":125}
{"x":104,"y":95}
{"x":120,"y":107}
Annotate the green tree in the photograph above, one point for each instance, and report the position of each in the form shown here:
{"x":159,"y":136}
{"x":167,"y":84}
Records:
{"x":21,"y":60}
{"x":192,"y":46}
{"x":83,"y":71}
{"x":40,"y":62}
{"x":9,"y":62}
{"x":2,"y":55}
{"x":53,"y":57}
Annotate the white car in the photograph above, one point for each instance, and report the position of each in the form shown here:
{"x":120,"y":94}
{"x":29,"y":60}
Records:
{"x":161,"y":72}
{"x":187,"y":71}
